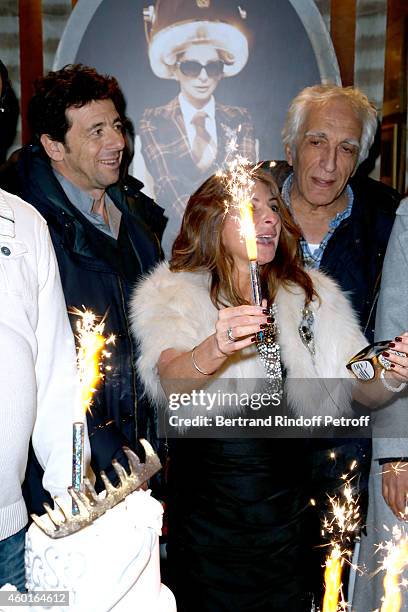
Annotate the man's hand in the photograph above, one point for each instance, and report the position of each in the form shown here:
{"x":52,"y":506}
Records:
{"x":395,"y":488}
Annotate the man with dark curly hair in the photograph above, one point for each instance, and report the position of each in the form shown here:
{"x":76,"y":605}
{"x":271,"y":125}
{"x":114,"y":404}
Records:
{"x":105,"y":231}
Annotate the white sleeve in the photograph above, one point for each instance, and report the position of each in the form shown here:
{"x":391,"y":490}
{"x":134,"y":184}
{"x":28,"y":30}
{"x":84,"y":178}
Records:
{"x":56,"y":373}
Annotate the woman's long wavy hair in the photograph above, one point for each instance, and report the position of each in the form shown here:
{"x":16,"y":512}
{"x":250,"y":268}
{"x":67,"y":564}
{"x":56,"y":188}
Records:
{"x":199,"y":245}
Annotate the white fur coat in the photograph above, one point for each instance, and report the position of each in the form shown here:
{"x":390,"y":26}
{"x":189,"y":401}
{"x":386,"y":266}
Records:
{"x":174,"y":310}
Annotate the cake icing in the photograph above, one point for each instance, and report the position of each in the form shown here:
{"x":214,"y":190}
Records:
{"x":112,"y":564}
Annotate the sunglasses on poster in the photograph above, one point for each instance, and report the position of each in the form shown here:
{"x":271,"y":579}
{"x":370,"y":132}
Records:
{"x":191,"y":68}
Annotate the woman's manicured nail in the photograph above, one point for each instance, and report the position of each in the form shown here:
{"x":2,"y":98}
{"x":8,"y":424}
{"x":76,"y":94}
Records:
{"x":386,"y":354}
{"x":265,"y":311}
{"x":269,"y":320}
{"x":253,"y":339}
{"x":391,"y":344}
{"x":398,"y":339}
{"x":264,"y":325}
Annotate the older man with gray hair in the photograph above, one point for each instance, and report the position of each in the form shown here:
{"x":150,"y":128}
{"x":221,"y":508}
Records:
{"x":345,"y":222}
{"x":345,"y":219}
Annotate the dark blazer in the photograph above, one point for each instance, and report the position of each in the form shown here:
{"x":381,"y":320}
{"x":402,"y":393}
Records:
{"x":167,"y":154}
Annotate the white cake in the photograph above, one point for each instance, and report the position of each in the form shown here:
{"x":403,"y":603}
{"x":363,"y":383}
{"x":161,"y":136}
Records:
{"x":112,"y":564}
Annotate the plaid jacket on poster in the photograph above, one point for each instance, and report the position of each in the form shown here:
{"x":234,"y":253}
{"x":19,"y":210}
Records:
{"x":167,"y":154}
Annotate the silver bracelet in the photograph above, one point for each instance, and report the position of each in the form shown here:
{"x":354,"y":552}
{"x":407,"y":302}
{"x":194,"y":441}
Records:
{"x":390,"y":387}
{"x":193,"y":361}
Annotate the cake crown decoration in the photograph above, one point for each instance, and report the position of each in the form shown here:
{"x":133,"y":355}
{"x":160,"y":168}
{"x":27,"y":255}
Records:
{"x":62,"y":523}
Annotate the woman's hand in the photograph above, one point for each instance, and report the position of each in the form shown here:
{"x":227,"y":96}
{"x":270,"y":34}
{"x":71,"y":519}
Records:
{"x":395,"y":487}
{"x":393,"y":375}
{"x":242,"y":323}
{"x":237,"y":327}
{"x":398,"y":369}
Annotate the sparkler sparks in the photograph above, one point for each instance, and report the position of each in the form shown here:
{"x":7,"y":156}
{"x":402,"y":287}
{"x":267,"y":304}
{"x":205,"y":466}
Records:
{"x":398,"y":467}
{"x":91,"y":343}
{"x":394,"y":563}
{"x":342,"y":528}
{"x":240,"y":184}
{"x":332,"y":580}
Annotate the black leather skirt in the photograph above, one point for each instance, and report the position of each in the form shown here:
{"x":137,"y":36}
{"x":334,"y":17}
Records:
{"x":239,"y":537}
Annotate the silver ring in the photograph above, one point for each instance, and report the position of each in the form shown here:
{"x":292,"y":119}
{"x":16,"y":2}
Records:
{"x":230,"y":335}
{"x":385,"y":363}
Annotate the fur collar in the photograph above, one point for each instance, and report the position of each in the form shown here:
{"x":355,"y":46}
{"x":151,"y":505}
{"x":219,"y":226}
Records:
{"x":174,"y":310}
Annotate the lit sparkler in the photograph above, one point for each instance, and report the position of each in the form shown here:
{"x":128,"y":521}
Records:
{"x":91,"y":343}
{"x":341,"y":528}
{"x":394,"y":563}
{"x":396,"y":556}
{"x":241,"y":185}
{"x":332,"y":579}
{"x":248,"y":229}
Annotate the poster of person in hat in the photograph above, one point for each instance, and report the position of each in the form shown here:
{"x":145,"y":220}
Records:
{"x":247,"y":56}
{"x":197,"y":43}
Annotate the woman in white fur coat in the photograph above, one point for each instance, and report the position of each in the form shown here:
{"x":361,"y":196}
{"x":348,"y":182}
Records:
{"x":239,"y":508}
